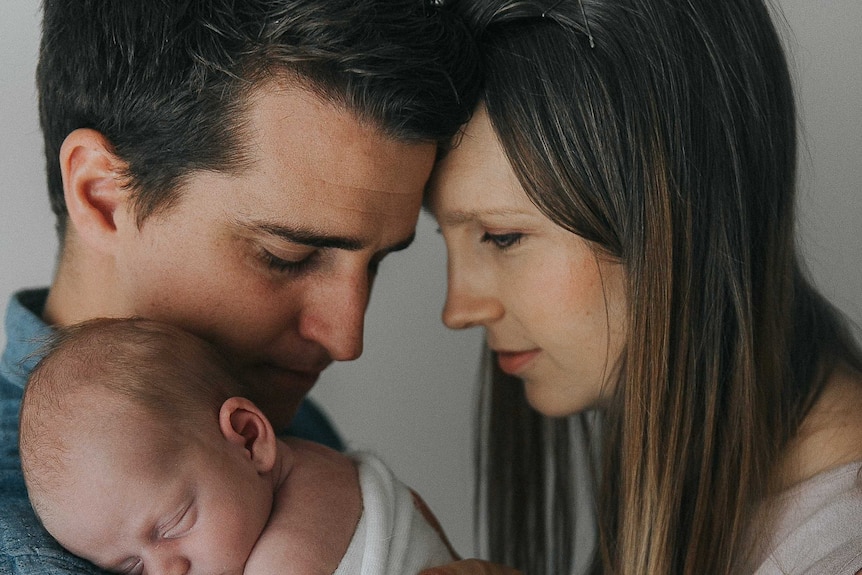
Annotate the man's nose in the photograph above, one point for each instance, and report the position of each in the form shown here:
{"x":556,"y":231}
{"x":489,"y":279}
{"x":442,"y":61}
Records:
{"x":471,"y":299}
{"x":334,"y":316}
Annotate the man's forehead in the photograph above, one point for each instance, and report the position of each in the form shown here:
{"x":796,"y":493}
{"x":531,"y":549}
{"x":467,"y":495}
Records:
{"x":300,"y":128}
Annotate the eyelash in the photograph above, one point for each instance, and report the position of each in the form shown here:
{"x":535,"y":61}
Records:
{"x":182,"y":522}
{"x":133,"y":569}
{"x":503,"y":241}
{"x":280,"y":265}
{"x":179,"y":524}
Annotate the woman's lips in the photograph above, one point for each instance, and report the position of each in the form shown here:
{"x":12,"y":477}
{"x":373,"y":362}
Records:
{"x":513,"y":362}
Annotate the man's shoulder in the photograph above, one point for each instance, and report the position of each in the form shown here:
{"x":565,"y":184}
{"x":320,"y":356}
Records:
{"x":26,"y":332}
{"x":25,"y":547}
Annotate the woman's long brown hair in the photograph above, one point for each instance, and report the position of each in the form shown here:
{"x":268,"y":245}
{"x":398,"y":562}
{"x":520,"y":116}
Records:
{"x":671,"y":145}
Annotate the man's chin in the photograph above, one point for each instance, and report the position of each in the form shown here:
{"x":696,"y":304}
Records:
{"x":278,"y":393}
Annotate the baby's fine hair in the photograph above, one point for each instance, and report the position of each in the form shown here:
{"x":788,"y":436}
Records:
{"x":173,"y":377}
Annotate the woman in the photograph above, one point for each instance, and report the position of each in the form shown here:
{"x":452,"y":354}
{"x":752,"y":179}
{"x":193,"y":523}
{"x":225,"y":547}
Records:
{"x":619,"y":217}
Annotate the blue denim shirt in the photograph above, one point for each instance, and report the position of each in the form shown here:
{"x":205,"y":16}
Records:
{"x":25,"y":547}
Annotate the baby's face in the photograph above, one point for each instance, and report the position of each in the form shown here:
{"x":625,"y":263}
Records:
{"x":131,"y":507}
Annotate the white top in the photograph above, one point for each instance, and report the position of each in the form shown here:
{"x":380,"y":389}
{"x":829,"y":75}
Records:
{"x":819,"y":526}
{"x":392,"y":537}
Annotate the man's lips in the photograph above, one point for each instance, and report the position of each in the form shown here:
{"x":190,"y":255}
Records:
{"x":513,"y":362}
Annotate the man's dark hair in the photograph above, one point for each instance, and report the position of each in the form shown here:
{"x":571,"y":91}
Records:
{"x":167,"y":82}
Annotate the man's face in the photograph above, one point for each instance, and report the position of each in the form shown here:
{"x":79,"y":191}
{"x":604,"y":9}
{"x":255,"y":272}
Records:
{"x":275,"y":265}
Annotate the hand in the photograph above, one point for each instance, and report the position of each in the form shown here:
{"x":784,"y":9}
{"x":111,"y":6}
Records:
{"x":471,"y":567}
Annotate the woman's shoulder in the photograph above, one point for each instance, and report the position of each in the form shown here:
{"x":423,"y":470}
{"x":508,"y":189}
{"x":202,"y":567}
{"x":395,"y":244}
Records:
{"x":818,"y":526}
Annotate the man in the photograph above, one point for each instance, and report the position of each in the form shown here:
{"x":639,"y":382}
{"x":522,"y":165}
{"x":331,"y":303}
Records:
{"x":238,"y":169}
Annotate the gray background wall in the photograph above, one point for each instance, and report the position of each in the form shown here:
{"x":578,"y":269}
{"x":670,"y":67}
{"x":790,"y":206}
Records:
{"x":410,"y":397}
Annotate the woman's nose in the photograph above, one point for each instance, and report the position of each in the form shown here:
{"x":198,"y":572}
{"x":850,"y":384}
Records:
{"x":471,"y":299}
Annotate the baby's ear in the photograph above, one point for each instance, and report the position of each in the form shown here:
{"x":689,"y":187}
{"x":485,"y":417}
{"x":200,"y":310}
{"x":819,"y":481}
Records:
{"x":243,"y":424}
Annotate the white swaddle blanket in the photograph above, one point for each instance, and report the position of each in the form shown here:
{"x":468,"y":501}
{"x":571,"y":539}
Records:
{"x":392,"y":537}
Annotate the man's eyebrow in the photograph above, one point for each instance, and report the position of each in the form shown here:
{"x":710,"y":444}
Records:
{"x":307,"y":236}
{"x":314,"y":239}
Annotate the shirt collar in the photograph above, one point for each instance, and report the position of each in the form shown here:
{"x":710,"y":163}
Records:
{"x":25,"y":334}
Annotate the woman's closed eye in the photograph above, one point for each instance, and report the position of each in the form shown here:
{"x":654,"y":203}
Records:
{"x":503,"y":241}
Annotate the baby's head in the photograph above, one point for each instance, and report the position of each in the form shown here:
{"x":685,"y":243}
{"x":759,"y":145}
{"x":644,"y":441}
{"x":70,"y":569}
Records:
{"x":138,"y":449}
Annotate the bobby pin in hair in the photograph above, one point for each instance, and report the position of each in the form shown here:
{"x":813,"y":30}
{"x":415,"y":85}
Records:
{"x":583,"y":13}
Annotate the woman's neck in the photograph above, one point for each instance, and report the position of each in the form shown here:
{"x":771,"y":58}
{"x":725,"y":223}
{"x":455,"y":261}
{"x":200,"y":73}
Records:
{"x":831,"y":433}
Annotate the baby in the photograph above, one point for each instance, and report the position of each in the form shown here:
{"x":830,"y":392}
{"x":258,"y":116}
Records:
{"x":141,"y":455}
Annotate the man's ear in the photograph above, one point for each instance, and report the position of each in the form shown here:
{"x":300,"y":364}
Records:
{"x":92,"y":186}
{"x":242,"y":423}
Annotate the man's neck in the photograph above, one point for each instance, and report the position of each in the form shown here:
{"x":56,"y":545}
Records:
{"x":83,"y":288}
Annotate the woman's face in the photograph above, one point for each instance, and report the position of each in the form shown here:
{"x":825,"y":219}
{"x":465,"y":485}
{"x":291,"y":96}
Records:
{"x":552,"y":305}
